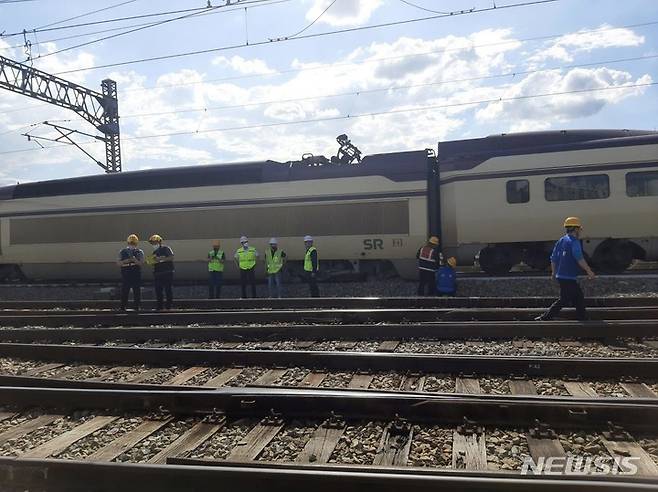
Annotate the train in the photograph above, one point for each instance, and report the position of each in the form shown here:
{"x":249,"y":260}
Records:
{"x":498,"y":201}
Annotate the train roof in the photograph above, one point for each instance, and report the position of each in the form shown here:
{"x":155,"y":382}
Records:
{"x":460,"y":155}
{"x":397,"y":166}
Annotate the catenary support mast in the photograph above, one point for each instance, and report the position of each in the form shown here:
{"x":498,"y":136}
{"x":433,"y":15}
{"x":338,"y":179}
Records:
{"x":99,"y":109}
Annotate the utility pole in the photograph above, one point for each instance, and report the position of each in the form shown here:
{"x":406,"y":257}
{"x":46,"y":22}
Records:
{"x":101,"y":109}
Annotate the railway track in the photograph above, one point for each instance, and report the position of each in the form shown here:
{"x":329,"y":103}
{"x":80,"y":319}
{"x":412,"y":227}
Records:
{"x":56,"y":318}
{"x":336,"y":303}
{"x":359,"y":394}
{"x":292,"y":432}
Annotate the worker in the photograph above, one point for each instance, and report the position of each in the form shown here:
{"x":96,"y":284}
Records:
{"x":446,"y":278}
{"x":131,"y":259}
{"x":245,"y":258}
{"x":162,"y":260}
{"x":216,"y":259}
{"x":275,"y":259}
{"x":311,"y":266}
{"x":567,"y":260}
{"x":428,"y":262}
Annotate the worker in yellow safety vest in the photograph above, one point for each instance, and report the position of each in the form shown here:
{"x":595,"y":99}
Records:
{"x":245,"y":258}
{"x":275,"y":258}
{"x":311,"y":266}
{"x":216,"y":259}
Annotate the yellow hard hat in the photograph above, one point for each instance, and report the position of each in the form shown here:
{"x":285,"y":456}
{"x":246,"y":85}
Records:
{"x":572,"y":222}
{"x":132,"y":239}
{"x":433,"y":240}
{"x":215,"y":243}
{"x":452,"y":261}
{"x":155,"y":239}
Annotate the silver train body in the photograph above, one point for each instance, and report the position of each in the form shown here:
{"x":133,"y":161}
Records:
{"x":500,"y":201}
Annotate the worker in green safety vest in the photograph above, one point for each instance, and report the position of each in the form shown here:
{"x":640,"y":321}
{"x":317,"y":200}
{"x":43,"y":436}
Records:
{"x":216,"y":259}
{"x":275,"y":258}
{"x":311,"y":266}
{"x":245,"y":258}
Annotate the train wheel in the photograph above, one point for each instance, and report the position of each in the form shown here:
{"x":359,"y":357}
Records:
{"x":498,"y":260}
{"x":612,"y":256}
{"x":537,"y":258}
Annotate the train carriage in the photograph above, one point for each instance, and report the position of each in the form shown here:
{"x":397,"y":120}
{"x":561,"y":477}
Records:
{"x":500,"y":201}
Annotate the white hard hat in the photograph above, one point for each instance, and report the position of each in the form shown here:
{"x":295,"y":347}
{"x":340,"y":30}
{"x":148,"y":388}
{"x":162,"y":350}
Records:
{"x":243,"y":239}
{"x":308,"y":238}
{"x":273,"y":241}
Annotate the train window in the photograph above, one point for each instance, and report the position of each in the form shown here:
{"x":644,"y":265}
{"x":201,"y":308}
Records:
{"x":642,"y":184}
{"x":591,"y":187}
{"x":518,"y":191}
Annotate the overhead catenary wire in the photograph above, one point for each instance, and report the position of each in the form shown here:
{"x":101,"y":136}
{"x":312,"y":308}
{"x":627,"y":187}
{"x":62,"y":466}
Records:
{"x":422,"y":8}
{"x":363,"y":115}
{"x":397,"y":57}
{"x":154,"y":24}
{"x":86,"y":14}
{"x":302,"y":37}
{"x":314,"y":20}
{"x":140,"y":24}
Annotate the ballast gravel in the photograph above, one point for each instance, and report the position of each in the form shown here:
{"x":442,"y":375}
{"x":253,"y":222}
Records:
{"x":289,"y":442}
{"x":359,"y":443}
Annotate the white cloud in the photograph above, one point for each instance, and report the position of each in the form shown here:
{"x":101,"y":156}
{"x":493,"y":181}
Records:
{"x":542,"y":112}
{"x":565,"y":47}
{"x":343,"y":12}
{"x":242,"y":65}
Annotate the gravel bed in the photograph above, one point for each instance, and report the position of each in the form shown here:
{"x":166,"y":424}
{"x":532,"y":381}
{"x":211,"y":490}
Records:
{"x":248,"y":375}
{"x":292,"y":377}
{"x":126,"y":374}
{"x":87,"y":372}
{"x":18,"y":419}
{"x":439,"y":383}
{"x":550,"y":387}
{"x":583,"y":444}
{"x":156,"y":442}
{"x":222,"y":442}
{"x":610,"y":389}
{"x":493,"y":385}
{"x":544,"y":348}
{"x":289,"y":442}
{"x":431,"y":446}
{"x":336,"y":380}
{"x":21,"y":444}
{"x":205,"y":376}
{"x":387,"y":381}
{"x":15,"y":367}
{"x":506,"y":449}
{"x":163,"y":376}
{"x":359,"y":443}
{"x":366,"y":346}
{"x":100,"y":438}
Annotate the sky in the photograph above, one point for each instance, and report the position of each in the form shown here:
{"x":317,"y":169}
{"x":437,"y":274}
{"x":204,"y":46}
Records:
{"x":281,"y":78}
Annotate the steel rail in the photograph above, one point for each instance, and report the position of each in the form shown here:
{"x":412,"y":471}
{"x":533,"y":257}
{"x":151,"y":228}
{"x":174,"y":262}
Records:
{"x":638,"y":415}
{"x":373,"y":361}
{"x":593,"y":330}
{"x":79,"y":476}
{"x":105,"y":318}
{"x":337,"y":302}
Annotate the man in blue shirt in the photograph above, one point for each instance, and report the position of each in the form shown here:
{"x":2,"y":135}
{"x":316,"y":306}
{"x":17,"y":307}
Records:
{"x":446,"y":278}
{"x":567,"y":260}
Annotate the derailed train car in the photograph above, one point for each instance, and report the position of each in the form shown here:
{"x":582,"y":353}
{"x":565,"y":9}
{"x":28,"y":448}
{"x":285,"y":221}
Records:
{"x":500,"y":200}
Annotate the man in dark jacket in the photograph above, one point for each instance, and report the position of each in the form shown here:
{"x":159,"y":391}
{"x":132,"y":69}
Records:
{"x":131,"y":259}
{"x":163,"y":271}
{"x":428,"y":263}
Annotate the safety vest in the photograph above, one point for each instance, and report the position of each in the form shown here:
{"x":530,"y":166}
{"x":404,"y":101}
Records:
{"x":274,"y":261}
{"x":215,"y":265}
{"x":247,"y":258}
{"x":308,"y":264}
{"x":427,"y":258}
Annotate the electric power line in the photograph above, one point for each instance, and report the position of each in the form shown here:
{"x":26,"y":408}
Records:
{"x":306,"y":36}
{"x":85,"y":14}
{"x":422,"y":8}
{"x":360,"y":115}
{"x":314,"y":20}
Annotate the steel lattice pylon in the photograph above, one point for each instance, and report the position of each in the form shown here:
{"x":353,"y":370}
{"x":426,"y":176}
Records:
{"x":99,"y":109}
